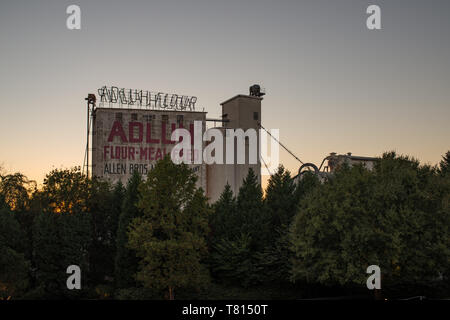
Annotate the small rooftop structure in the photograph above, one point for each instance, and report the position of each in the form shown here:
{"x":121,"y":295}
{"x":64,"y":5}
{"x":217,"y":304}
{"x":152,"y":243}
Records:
{"x":335,"y":161}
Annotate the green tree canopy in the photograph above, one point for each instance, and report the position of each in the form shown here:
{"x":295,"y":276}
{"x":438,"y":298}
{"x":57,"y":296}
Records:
{"x":395,"y":216}
{"x":223,"y":219}
{"x":280,"y":200}
{"x":103,"y":205}
{"x":62,"y":232}
{"x":234,"y":254}
{"x":16,"y":194}
{"x":13,"y":265}
{"x":65,"y":191}
{"x":281,"y":203}
{"x":16,"y":191}
{"x":126,"y":262}
{"x":170,"y":237}
{"x":251,"y":216}
{"x":444,"y":165}
{"x":60,"y":240}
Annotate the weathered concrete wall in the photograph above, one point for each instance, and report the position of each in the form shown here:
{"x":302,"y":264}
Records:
{"x":125,"y":140}
{"x":243,"y":112}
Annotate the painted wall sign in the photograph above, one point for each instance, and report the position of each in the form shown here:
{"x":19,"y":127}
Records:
{"x":128,"y":140}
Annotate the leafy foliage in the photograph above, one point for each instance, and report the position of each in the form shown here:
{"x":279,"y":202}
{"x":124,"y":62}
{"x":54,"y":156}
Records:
{"x":281,"y":200}
{"x":252,"y":217}
{"x":234,"y":262}
{"x":158,"y":236}
{"x":444,"y":165}
{"x":223,"y":220}
{"x":396,"y":216}
{"x":60,"y":240}
{"x":170,"y":237}
{"x":65,"y":191}
{"x":126,"y":262}
{"x":242,"y":227}
{"x":104,"y":206}
{"x":14,"y":267}
{"x":62,"y":232}
{"x":16,"y":190}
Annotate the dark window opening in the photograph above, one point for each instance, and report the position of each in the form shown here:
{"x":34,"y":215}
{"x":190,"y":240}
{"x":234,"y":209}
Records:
{"x":148,"y":117}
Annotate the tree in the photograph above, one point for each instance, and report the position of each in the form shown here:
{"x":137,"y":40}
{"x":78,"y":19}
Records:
{"x":65,"y":191}
{"x":395,"y":216}
{"x":104,"y":205}
{"x":233,"y":261}
{"x":14,"y":267}
{"x":327,"y":216}
{"x":126,"y":262}
{"x":60,"y":240}
{"x":281,"y":204}
{"x":223,"y":219}
{"x":230,"y":250}
{"x":415,"y":201}
{"x":444,"y":165}
{"x":305,"y":184}
{"x":242,"y":228}
{"x":251,"y":216}
{"x":16,"y":190}
{"x":280,"y":201}
{"x":170,"y":237}
{"x":62,"y":232}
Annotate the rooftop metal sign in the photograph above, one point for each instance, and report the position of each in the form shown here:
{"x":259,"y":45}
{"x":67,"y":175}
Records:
{"x":147,"y":99}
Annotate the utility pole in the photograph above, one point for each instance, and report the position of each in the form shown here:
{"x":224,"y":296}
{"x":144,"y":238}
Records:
{"x":91,"y":99}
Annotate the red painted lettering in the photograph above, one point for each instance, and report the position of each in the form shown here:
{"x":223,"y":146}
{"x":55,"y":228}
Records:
{"x":117,"y":130}
{"x":143,"y":153}
{"x":150,"y":154}
{"x":158,"y":154}
{"x":149,"y":135}
{"x":140,"y":127}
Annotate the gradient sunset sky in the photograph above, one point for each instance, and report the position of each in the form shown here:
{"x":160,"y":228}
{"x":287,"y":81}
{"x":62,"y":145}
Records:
{"x":332,"y":85}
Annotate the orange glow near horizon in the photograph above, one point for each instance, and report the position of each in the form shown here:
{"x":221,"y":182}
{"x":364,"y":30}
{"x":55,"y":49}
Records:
{"x":331,"y":84}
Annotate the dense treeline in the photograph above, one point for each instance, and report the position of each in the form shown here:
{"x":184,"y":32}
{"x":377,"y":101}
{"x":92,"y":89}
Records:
{"x":158,"y":238}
